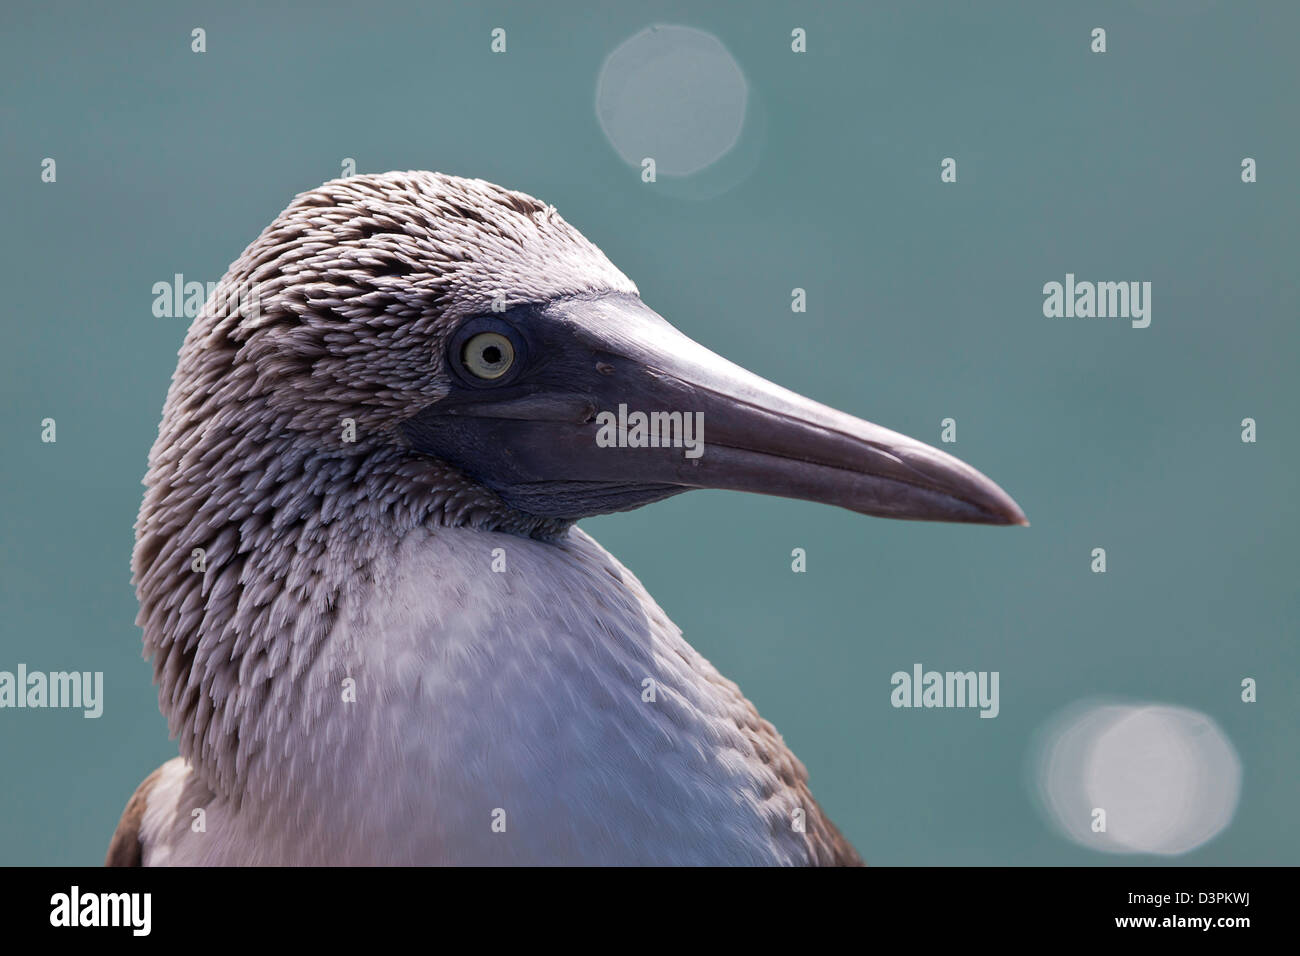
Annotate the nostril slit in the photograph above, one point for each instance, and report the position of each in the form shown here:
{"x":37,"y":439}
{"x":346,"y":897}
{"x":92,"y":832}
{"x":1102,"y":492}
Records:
{"x":604,"y":368}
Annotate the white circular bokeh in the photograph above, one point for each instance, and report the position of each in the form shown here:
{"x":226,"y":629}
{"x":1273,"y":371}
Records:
{"x":1167,"y":777}
{"x":673,"y":94}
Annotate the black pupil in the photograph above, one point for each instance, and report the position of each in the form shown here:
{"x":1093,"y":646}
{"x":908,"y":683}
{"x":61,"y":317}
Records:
{"x":492,"y":355}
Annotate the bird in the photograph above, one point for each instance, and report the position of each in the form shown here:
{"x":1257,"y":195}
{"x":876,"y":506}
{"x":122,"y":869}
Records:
{"x":378,"y":633}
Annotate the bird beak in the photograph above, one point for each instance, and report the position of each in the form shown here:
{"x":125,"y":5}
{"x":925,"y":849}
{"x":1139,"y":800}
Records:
{"x":608,"y":379}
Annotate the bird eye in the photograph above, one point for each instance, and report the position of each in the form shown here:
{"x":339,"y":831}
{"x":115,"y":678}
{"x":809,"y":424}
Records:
{"x":488,"y":355}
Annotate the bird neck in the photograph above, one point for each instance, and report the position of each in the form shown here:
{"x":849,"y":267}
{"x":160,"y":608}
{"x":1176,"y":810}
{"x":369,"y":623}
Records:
{"x":241,"y":573}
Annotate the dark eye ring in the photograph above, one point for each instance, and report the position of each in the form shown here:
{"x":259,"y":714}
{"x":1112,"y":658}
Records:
{"x":486,"y":352}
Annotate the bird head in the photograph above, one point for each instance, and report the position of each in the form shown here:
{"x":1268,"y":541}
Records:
{"x":469,"y":325}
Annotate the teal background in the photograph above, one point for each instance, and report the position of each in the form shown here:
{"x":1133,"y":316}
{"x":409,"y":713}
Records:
{"x":924,"y":301}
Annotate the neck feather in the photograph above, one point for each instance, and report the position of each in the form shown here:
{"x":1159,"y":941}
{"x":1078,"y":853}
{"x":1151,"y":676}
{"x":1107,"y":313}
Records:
{"x":241,"y":572}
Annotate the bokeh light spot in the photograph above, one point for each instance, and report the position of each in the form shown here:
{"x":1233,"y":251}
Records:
{"x":1167,"y":777}
{"x":673,"y":94}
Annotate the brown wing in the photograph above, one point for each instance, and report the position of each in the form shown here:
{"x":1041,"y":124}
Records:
{"x":831,"y":848}
{"x":125,"y":848}
{"x":826,"y":845}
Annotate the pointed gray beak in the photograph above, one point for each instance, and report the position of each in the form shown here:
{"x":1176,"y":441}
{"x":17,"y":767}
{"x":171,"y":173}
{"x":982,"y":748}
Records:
{"x":561,"y":435}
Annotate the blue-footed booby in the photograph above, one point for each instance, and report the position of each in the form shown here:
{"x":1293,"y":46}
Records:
{"x":377,"y":633}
